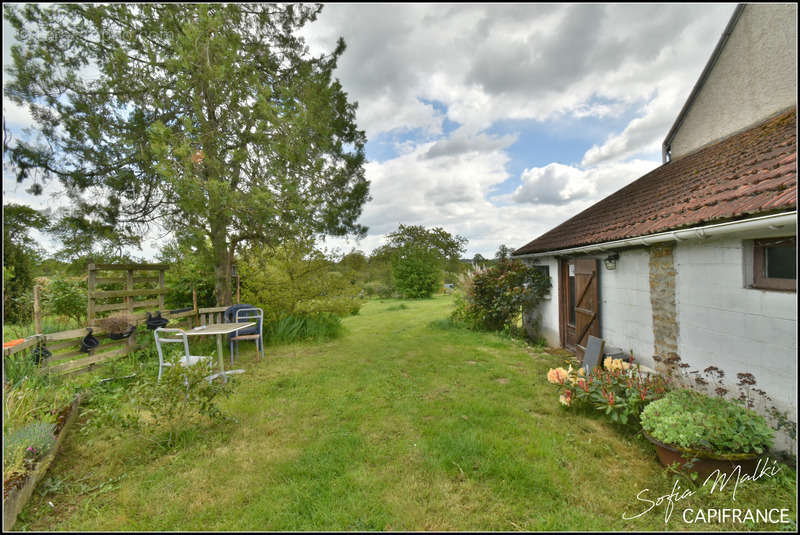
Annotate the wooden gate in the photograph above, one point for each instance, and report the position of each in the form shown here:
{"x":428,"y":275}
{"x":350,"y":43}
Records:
{"x":587,"y":303}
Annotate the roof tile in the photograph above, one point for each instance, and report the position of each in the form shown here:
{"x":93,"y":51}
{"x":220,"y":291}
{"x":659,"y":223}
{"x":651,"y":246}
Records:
{"x":749,"y":173}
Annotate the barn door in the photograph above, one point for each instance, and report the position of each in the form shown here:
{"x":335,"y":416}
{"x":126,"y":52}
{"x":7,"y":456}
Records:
{"x":587,"y":304}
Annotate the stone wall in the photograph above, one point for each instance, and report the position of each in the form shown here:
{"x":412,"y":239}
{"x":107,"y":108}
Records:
{"x":662,"y":302}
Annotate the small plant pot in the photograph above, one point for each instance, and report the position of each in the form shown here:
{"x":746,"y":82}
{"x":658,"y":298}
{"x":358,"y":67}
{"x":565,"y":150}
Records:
{"x":89,"y":342}
{"x":703,"y":462}
{"x":126,"y":334}
{"x":154,"y":322}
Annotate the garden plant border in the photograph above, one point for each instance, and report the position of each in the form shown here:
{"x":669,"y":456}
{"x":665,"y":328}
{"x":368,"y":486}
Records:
{"x":17,"y":492}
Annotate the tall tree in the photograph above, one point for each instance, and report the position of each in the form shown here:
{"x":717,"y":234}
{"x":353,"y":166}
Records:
{"x":20,"y":253}
{"x":211,"y":119}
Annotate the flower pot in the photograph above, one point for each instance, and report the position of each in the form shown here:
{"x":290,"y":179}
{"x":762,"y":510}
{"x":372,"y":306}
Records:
{"x":120,"y":336}
{"x":705,"y":462}
{"x":89,"y":342}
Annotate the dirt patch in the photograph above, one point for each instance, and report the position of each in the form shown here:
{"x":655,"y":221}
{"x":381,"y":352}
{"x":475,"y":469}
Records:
{"x":502,"y":381}
{"x":473,"y":362}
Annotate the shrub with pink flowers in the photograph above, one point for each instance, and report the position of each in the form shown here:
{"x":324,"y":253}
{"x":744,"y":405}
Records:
{"x":621,"y":392}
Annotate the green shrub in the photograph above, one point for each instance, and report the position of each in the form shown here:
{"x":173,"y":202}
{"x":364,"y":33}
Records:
{"x":494,"y":298}
{"x":316,"y":327}
{"x":417,"y":272}
{"x":168,"y":408}
{"x":691,"y":420}
{"x":66,"y":297}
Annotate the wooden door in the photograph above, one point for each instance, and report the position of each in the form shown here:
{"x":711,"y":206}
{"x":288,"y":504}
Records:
{"x":566,"y":297}
{"x":587,"y":303}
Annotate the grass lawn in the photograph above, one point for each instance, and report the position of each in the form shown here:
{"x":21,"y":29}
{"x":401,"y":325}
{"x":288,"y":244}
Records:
{"x":400,"y":425}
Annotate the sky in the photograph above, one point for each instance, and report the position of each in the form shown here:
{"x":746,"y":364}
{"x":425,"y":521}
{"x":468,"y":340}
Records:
{"x":496,"y":122}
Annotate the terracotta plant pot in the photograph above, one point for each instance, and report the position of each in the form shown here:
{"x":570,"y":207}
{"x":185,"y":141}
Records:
{"x":705,"y":461}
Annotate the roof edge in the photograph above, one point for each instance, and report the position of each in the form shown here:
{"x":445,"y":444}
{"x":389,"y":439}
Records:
{"x":774,"y":221}
{"x":665,"y":146}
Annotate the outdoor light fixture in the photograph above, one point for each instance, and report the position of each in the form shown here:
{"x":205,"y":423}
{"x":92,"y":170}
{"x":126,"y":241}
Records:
{"x":611,"y":261}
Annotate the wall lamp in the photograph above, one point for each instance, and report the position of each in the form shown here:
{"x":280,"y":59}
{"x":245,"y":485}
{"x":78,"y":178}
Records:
{"x":611,"y":261}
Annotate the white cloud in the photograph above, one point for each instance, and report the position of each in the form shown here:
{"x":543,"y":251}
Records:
{"x":557,"y":184}
{"x":489,"y":63}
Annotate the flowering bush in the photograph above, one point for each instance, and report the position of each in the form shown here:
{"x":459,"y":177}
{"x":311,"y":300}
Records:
{"x":619,"y":390}
{"x":495,"y":297}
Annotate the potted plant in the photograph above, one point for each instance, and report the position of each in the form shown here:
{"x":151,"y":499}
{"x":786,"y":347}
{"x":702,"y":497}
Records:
{"x":702,"y":433}
{"x":118,"y":327}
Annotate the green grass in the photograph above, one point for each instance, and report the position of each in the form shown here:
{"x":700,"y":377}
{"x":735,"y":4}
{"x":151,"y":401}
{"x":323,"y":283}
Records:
{"x":405,"y":423}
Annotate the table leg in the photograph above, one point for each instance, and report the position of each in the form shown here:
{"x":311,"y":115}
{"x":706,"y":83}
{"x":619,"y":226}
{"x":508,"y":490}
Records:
{"x":219,"y":355}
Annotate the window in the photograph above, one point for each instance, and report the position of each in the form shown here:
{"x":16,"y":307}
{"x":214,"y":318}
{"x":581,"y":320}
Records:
{"x":775,"y":264}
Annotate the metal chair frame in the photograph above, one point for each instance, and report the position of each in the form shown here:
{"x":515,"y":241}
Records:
{"x":247,"y":314}
{"x":186,"y":360}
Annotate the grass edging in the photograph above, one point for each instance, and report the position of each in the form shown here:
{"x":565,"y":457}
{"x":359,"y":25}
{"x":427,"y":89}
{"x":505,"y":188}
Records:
{"x":16,"y":498}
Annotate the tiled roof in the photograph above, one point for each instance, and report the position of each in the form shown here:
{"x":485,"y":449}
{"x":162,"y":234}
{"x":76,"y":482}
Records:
{"x":752,"y":172}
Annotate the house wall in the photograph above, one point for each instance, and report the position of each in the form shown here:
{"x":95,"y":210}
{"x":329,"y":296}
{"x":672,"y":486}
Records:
{"x":547,"y":311}
{"x":626,"y":319}
{"x":755,"y":76}
{"x":725,"y":324}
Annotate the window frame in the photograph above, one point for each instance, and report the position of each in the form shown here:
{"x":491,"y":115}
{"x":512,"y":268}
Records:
{"x":760,"y":279}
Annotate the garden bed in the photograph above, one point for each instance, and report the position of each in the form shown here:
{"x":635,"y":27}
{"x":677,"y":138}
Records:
{"x":19,"y":487}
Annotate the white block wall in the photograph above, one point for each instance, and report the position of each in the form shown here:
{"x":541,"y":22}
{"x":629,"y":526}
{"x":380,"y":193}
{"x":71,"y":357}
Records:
{"x":548,"y":310}
{"x":626,"y":317}
{"x":737,"y":329}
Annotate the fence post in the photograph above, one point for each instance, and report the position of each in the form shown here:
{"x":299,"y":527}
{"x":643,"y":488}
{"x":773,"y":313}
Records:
{"x":131,"y":343}
{"x":91,"y":286}
{"x":194,"y":306}
{"x":37,"y":310}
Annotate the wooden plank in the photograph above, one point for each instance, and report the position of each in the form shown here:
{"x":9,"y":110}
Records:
{"x":113,"y":306}
{"x":186,"y":314}
{"x":75,"y":333}
{"x":126,"y":267}
{"x":582,"y":293}
{"x":32,"y":341}
{"x":212,"y":309}
{"x":150,"y":303}
{"x":110,"y":280}
{"x":62,"y":345}
{"x":111,"y":345}
{"x":82,"y":363}
{"x":128,"y":293}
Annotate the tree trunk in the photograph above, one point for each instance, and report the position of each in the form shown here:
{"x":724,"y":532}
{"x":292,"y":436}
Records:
{"x":222,"y":265}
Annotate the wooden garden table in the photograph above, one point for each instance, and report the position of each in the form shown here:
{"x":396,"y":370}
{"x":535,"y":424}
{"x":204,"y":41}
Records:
{"x":219,"y":329}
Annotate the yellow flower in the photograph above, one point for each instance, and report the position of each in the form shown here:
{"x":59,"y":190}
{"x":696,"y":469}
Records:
{"x":557,"y":375}
{"x":563,"y":399}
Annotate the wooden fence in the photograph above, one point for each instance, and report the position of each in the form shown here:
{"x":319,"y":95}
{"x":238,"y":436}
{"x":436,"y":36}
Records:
{"x":65,"y":346}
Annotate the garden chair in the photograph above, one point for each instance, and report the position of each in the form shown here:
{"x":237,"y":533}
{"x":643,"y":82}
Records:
{"x":593,"y":354}
{"x":176,"y":336}
{"x":254,"y":333}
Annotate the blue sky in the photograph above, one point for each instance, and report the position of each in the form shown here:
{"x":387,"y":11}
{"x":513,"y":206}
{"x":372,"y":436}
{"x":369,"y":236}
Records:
{"x":497,"y":122}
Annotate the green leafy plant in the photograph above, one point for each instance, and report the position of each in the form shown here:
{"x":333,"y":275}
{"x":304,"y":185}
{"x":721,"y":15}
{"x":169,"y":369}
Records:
{"x":495,"y":297}
{"x":23,"y":446}
{"x":691,"y":420}
{"x":66,"y":296}
{"x":619,"y":390}
{"x":168,"y":408}
{"x":317,"y":327}
{"x":416,"y":272}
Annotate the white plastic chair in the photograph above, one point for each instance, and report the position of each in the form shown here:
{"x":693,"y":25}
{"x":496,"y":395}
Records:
{"x":249,"y":314}
{"x":186,"y":360}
